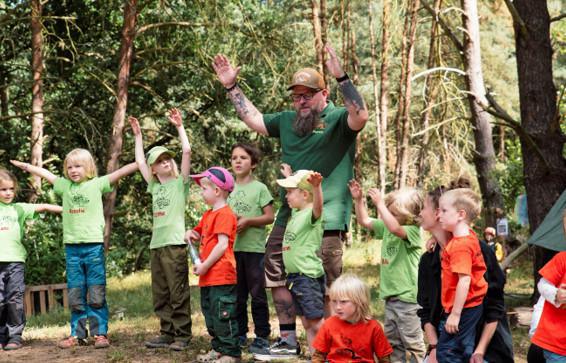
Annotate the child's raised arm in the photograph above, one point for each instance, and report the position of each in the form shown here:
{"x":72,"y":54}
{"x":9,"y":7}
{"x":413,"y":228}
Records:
{"x":122,"y":172}
{"x":51,"y":208}
{"x":285,"y":170}
{"x":389,"y":220}
{"x":35,"y":170}
{"x":315,"y":179}
{"x":140,"y":157}
{"x":361,"y":211}
{"x":176,"y":119}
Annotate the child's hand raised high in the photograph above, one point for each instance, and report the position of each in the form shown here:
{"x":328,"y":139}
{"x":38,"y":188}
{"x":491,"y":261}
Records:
{"x":134,"y":123}
{"x":285,"y":170}
{"x":175,"y":118}
{"x":375,"y":195}
{"x":355,"y":189}
{"x":20,"y":164}
{"x":315,"y":179}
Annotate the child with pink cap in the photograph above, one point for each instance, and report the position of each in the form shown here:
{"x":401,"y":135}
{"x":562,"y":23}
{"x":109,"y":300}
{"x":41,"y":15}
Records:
{"x":216,"y":232}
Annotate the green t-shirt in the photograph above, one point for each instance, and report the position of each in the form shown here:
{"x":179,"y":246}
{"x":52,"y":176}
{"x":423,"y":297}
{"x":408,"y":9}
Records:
{"x":301,"y":243}
{"x":329,"y":150}
{"x":248,"y":200}
{"x":168,"y":201}
{"x":83,"y":213}
{"x":399,"y":262}
{"x":12,"y":218}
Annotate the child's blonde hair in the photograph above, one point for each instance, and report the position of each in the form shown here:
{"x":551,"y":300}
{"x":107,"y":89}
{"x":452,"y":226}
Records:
{"x":351,"y":287}
{"x":5,"y":175}
{"x":408,"y":203}
{"x":82,"y":157}
{"x":464,"y":199}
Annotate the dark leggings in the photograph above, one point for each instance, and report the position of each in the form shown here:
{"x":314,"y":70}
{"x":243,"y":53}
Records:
{"x":535,"y":354}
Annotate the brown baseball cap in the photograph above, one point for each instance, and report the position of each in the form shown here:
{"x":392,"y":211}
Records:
{"x":308,"y":77}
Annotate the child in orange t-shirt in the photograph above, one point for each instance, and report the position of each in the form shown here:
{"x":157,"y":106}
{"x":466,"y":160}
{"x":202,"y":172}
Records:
{"x":550,"y":334}
{"x":350,"y":334}
{"x":217,"y":271}
{"x":463,"y":282}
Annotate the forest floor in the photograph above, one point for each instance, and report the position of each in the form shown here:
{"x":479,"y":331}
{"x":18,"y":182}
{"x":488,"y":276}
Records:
{"x":132,"y":319}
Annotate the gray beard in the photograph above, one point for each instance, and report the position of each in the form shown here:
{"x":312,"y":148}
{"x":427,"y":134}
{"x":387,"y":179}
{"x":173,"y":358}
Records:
{"x":304,"y":125}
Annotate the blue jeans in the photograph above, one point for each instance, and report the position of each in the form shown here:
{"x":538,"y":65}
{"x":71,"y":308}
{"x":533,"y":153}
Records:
{"x":552,"y":357}
{"x":86,"y":272}
{"x":459,"y":347}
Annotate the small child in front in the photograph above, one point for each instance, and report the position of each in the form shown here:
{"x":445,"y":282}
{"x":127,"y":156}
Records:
{"x":350,"y":334}
{"x":12,"y":259}
{"x":83,"y":234}
{"x":463,"y":282}
{"x":401,"y":249}
{"x":216,"y":232}
{"x":169,"y":259}
{"x":302,"y":240}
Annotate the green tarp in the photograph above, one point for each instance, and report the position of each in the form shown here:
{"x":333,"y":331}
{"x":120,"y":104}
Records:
{"x":550,"y":234}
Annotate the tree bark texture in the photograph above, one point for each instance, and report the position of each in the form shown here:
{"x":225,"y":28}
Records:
{"x":384,"y":89}
{"x":544,"y":179}
{"x":37,"y":93}
{"x":115,"y":148}
{"x":484,"y":158}
{"x":317,"y":31}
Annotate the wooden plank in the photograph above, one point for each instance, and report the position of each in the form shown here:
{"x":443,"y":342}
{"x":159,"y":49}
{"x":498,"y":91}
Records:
{"x":65,"y":298}
{"x":28,"y":302}
{"x":51,"y":303}
{"x":42,"y":307}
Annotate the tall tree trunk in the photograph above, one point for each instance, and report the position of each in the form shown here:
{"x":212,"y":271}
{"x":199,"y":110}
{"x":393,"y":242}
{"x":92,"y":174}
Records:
{"x":344,"y":34}
{"x":37,"y":94}
{"x":544,"y":179}
{"x":430,"y":95}
{"x":115,"y":147}
{"x":400,"y":100}
{"x":405,"y":124}
{"x":484,"y":158}
{"x":318,"y":45}
{"x":384,"y":88}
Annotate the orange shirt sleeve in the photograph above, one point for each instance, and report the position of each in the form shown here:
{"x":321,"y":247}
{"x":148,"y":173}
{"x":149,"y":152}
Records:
{"x":381,"y":346}
{"x":225,"y":224}
{"x":555,"y":269}
{"x":461,"y":257}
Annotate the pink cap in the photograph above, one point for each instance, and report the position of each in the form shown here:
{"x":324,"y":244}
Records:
{"x":219,"y":176}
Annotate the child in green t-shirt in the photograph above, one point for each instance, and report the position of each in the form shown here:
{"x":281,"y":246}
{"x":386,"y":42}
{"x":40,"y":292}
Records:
{"x":13,"y":258}
{"x":251,"y":201}
{"x":169,"y":259}
{"x":401,"y":248}
{"x":83,"y":234}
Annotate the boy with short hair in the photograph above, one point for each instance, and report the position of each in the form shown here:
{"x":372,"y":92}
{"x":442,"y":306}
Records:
{"x":217,"y":271}
{"x":302,"y":241}
{"x":463,"y":283}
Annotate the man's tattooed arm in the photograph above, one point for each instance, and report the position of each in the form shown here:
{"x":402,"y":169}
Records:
{"x":354,"y":102}
{"x":247,"y":111}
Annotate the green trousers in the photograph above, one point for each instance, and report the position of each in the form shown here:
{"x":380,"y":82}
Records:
{"x":218,"y":304}
{"x":170,"y":288}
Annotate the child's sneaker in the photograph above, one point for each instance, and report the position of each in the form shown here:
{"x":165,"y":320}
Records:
{"x":71,"y":342}
{"x":280,"y":350}
{"x":162,"y":341}
{"x":13,"y":345}
{"x":228,"y":359}
{"x":179,"y":345}
{"x":259,"y":346}
{"x":211,"y":356}
{"x":101,"y":341}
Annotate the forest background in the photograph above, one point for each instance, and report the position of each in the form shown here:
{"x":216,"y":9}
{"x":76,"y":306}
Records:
{"x":440,"y":107}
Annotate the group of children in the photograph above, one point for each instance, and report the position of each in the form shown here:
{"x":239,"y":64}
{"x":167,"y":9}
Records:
{"x":231,"y":239}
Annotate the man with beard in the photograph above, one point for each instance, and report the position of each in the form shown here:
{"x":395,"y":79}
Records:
{"x":315,"y":135}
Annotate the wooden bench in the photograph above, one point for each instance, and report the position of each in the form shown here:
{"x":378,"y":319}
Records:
{"x":47,"y":298}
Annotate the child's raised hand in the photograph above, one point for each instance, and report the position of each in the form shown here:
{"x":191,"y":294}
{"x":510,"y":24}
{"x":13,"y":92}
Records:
{"x":135,"y":124}
{"x":19,"y":164}
{"x":175,"y":118}
{"x":285,"y":170}
{"x":355,"y":189}
{"x":375,"y":195}
{"x":315,"y":179}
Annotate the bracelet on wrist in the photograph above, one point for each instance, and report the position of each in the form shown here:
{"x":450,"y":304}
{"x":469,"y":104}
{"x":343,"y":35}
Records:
{"x":228,"y":89}
{"x":343,"y":78}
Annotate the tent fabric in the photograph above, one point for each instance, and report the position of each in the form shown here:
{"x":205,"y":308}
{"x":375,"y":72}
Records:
{"x":550,"y":233}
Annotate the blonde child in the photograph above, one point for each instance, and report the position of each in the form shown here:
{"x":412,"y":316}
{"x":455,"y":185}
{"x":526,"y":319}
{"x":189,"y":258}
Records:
{"x":83,"y":234}
{"x":252,"y":203}
{"x":350,"y":334}
{"x":12,"y":259}
{"x":463,"y":284}
{"x":401,"y":248}
{"x":302,"y":241}
{"x":216,"y":232}
{"x":169,"y":260}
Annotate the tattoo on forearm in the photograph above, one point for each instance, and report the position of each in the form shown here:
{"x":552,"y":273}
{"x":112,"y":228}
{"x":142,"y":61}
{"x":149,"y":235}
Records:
{"x":351,"y":96}
{"x":285,"y":308}
{"x":239,"y":101}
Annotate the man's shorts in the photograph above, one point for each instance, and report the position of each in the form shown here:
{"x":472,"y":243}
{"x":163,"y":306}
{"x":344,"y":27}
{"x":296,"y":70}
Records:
{"x":308,"y":295}
{"x":330,"y":254}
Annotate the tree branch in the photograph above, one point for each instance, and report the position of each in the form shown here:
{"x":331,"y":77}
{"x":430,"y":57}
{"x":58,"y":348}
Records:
{"x":164,"y":24}
{"x":444,"y":26}
{"x":517,"y":18}
{"x":558,"y":17}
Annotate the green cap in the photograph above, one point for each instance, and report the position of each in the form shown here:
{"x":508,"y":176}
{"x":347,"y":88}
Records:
{"x":297,"y":180}
{"x":155,"y":152}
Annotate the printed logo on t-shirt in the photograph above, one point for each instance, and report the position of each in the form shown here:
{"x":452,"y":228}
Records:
{"x":78,"y":202}
{"x":290,"y":236}
{"x":238,"y":205}
{"x":5,"y":222}
{"x":319,"y":129}
{"x":160,"y":200}
{"x":391,"y":251}
{"x":348,"y":352}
